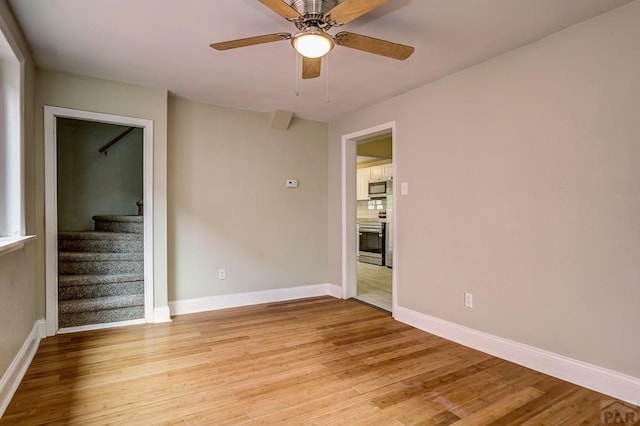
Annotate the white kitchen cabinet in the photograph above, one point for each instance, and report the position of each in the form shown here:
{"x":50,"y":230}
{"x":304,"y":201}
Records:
{"x":387,"y":171}
{"x":363,"y":183}
{"x":381,"y":172}
{"x":376,"y":173}
{"x":372,"y":174}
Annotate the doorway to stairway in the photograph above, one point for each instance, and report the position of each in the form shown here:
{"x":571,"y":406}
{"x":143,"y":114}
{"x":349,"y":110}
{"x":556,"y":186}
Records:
{"x":99,"y":210}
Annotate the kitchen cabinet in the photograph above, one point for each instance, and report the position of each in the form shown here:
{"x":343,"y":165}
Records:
{"x":363,"y":184}
{"x":387,"y":171}
{"x":372,"y":174}
{"x":376,"y":173}
{"x":381,"y":172}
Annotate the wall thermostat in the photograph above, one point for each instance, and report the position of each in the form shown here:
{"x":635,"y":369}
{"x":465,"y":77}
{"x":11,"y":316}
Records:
{"x":292,"y":183}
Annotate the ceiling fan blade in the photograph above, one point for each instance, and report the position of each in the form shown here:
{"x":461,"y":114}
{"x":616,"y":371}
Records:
{"x":250,"y":41}
{"x":349,"y":10}
{"x":311,"y":67}
{"x":374,"y":45}
{"x":282,"y":9}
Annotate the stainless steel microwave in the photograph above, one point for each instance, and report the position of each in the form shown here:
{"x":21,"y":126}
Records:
{"x":380,"y":189}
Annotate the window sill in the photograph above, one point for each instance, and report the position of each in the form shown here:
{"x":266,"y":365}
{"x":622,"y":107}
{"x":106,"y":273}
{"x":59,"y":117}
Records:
{"x":9,"y":244}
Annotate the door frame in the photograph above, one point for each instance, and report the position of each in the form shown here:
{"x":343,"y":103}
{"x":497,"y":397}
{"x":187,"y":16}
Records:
{"x":51,"y":114}
{"x":349,"y":154}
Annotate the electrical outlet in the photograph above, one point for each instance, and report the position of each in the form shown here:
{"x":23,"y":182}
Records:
{"x":222,"y":274}
{"x":468,"y":300}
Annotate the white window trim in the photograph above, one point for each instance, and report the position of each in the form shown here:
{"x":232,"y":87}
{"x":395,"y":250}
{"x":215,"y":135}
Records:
{"x":10,"y":244}
{"x":13,"y":73}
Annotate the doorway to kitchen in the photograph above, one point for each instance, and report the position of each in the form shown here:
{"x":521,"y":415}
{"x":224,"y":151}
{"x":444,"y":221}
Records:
{"x":369,"y":237}
{"x":374,"y":219}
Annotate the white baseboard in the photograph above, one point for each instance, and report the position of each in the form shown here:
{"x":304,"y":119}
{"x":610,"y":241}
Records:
{"x":18,"y":367}
{"x":333,"y":291}
{"x":608,"y":382}
{"x":212,"y":303}
{"x":161,"y":314}
{"x":100,"y":326}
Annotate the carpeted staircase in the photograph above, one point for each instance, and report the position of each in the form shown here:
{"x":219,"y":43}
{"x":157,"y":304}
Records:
{"x":101,"y":272}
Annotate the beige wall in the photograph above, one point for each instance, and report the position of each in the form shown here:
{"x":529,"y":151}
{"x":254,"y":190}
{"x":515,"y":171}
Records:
{"x":17,"y":269}
{"x":109,"y":97}
{"x":229,"y":207}
{"x":524,"y":190}
{"x":91,"y":183}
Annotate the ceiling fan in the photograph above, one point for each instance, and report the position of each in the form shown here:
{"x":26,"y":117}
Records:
{"x":313,"y":18}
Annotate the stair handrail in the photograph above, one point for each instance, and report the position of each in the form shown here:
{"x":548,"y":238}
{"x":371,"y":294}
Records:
{"x":115,"y":140}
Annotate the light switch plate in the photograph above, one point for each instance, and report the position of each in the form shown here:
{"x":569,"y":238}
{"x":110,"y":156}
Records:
{"x":292,"y":183}
{"x":468,"y":300}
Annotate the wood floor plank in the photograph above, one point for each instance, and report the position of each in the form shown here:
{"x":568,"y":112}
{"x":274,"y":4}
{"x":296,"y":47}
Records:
{"x":489,"y":414}
{"x":312,"y":361}
{"x":374,"y":285}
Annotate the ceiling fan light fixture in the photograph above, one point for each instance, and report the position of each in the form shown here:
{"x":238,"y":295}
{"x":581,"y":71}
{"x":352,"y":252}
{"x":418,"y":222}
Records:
{"x":312,"y":43}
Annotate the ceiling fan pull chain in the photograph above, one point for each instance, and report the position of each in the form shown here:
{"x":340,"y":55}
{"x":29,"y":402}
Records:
{"x":326,"y":59}
{"x":296,"y":74}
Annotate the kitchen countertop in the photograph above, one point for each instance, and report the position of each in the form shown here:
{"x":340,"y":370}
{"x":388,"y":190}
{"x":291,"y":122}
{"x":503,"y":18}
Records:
{"x":370,"y":219}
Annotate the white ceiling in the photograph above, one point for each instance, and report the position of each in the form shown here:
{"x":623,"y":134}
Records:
{"x":165,"y":43}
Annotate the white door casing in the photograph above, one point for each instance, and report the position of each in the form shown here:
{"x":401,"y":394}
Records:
{"x":51,"y":221}
{"x":349,"y":187}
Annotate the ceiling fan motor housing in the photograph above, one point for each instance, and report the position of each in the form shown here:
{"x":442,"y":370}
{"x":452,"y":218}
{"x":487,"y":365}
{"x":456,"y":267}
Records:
{"x":313,"y":7}
{"x":314,"y":13}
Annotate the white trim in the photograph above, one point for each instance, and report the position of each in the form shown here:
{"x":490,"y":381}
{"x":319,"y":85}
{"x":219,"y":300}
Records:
{"x":147,"y":210}
{"x":10,"y":244}
{"x":333,"y":291}
{"x":608,"y":382}
{"x":18,"y":367}
{"x":349,"y":283}
{"x":349,"y":142}
{"x":12,"y":74}
{"x":11,"y":41}
{"x":90,"y":327}
{"x":51,"y":220}
{"x":161,"y":314}
{"x":213,"y":303}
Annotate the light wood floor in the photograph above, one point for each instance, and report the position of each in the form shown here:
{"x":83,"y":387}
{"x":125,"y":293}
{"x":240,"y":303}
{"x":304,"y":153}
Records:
{"x":374,"y":285}
{"x":320,"y":361}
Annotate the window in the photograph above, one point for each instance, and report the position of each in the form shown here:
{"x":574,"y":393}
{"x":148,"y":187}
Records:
{"x":12,"y":227}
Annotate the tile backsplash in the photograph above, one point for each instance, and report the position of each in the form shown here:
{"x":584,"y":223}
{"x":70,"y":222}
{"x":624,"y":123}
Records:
{"x":363,"y":211}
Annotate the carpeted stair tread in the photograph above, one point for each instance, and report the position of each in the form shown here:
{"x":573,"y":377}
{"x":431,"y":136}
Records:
{"x":104,"y":267}
{"x":69,"y":256}
{"x":82,"y":292}
{"x":98,"y":235}
{"x":101,"y":317}
{"x":78,"y":263}
{"x":101,"y":245}
{"x":100,"y":303}
{"x":131,"y":224}
{"x":119,"y":218}
{"x":78,"y":280}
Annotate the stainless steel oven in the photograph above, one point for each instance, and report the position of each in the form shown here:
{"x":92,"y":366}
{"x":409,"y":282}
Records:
{"x":372,"y":242}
